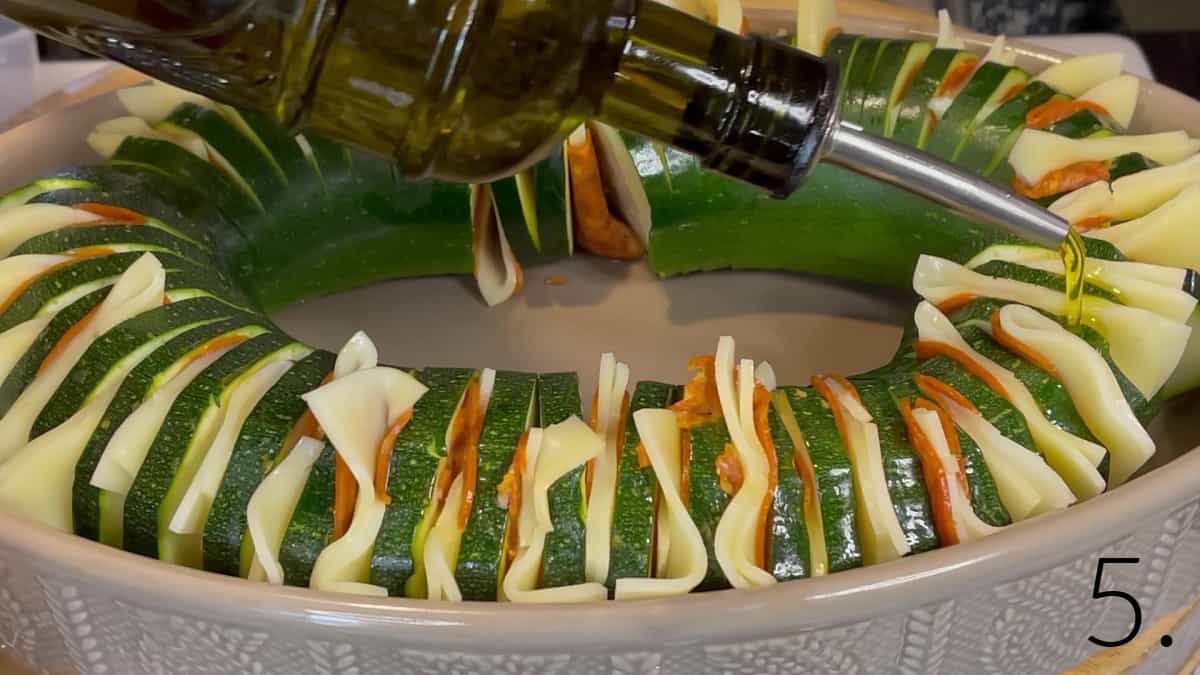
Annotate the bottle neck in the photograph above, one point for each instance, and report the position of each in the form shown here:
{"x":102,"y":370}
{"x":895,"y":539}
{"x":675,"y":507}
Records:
{"x":748,"y":107}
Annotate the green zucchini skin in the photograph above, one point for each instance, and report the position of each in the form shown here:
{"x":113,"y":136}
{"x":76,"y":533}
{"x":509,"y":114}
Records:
{"x":110,"y":348}
{"x":901,"y":466}
{"x":958,"y":122}
{"x":171,"y":450}
{"x":259,"y":447}
{"x":858,"y":82}
{"x":412,"y":476}
{"x":990,"y":139}
{"x":26,"y":368}
{"x":834,"y":476}
{"x":258,"y":169}
{"x":631,"y":549}
{"x":481,"y":551}
{"x":311,"y":527}
{"x":790,"y":554}
{"x":706,"y":500}
{"x":148,"y":238}
{"x":564,"y":556}
{"x":911,"y":120}
{"x":131,"y":393}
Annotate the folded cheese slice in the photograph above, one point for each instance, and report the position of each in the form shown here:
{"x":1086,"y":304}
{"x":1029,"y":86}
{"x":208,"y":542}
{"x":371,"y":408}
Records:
{"x":737,"y":534}
{"x":1146,"y":347}
{"x":356,"y":412}
{"x":687,"y":559}
{"x":1074,"y":458}
{"x":558,"y":449}
{"x":1091,"y":384}
{"x":610,"y":400}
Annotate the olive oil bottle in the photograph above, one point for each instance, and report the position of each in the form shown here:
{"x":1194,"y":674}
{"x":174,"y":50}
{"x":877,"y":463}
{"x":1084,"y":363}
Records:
{"x":470,"y":90}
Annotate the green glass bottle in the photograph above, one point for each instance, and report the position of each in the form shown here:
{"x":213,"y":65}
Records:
{"x":470,"y":90}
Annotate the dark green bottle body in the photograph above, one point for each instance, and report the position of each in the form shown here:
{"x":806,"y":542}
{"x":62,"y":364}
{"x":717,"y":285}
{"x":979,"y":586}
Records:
{"x":471,"y":90}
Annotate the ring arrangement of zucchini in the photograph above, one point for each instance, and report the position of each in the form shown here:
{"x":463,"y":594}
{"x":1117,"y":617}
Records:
{"x":148,"y":403}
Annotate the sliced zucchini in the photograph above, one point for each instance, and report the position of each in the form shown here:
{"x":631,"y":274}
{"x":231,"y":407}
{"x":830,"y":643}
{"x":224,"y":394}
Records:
{"x":564,"y":549}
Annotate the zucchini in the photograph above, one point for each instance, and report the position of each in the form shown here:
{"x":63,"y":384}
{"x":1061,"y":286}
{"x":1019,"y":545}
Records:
{"x":861,"y":70}
{"x":899,"y":62}
{"x":631,"y":553}
{"x":789,"y":556}
{"x":991,"y":85}
{"x":119,"y":236}
{"x":1080,"y":124}
{"x":834,"y":477}
{"x":96,"y":365}
{"x":179,"y":447}
{"x":311,"y":527}
{"x":263,"y":442}
{"x":705,"y":499}
{"x":564,"y":551}
{"x":1129,"y":164}
{"x":26,"y":368}
{"x":248,"y":159}
{"x":901,"y":465}
{"x":417,"y":454}
{"x":988,"y":142}
{"x":133,"y":391}
{"x":913,"y":117}
{"x":481,"y":553}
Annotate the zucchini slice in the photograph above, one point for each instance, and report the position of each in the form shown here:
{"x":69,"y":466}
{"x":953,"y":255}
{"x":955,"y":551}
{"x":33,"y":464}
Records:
{"x":859,"y":78}
{"x":564,"y":549}
{"x":631,"y":551}
{"x":264,"y":441}
{"x":397,"y":563}
{"x":988,"y":143}
{"x":942,"y":74}
{"x":180,"y":444}
{"x":481,"y":554}
{"x":990,"y":86}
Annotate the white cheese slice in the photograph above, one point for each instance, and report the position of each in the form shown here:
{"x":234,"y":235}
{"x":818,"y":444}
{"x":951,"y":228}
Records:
{"x":498,"y":273}
{"x":1140,"y":193}
{"x":1090,"y":201}
{"x":22,"y":223}
{"x":1026,"y":484}
{"x":1165,"y":236}
{"x":192,"y":512}
{"x":272,"y":504}
{"x":139,"y":289}
{"x":725,"y":14}
{"x":1077,"y":75}
{"x":1117,"y":96}
{"x":1156,"y":288}
{"x":1000,"y":53}
{"x":614,"y":379}
{"x":1037,"y":152}
{"x":946,"y":37}
{"x":1092,"y":387}
{"x":1074,"y":458}
{"x":967,"y":524}
{"x":560,"y":448}
{"x":877,"y":523}
{"x":441,"y":547}
{"x":359,"y":353}
{"x":356,"y":412}
{"x":687,"y":563}
{"x":1145,"y":346}
{"x":109,"y":135}
{"x":737,"y":531}
{"x":815,"y":22}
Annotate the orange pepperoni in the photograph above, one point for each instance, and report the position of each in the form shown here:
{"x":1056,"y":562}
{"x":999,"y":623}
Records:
{"x":957,"y":76}
{"x":928,"y":348}
{"x":1067,"y":179}
{"x":936,"y":482}
{"x":1019,"y":348}
{"x":113,"y":214}
{"x":1058,"y":109}
{"x":383,"y":456}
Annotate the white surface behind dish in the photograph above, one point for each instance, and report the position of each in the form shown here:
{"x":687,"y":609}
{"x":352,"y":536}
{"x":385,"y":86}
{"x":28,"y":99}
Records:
{"x":18,"y":58}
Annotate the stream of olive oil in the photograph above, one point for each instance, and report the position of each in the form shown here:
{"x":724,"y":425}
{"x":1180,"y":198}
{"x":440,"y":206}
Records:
{"x":1073,"y":258}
